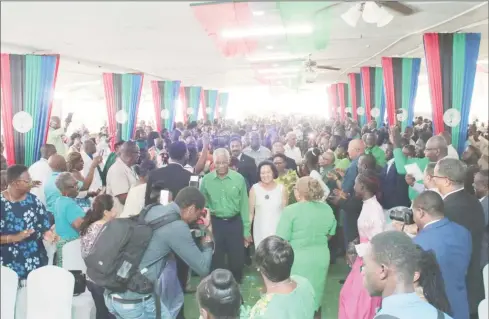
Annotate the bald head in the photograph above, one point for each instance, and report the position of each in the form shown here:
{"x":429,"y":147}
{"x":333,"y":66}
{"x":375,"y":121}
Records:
{"x":47,"y":150}
{"x":89,"y":147}
{"x":129,"y":153}
{"x":356,"y":148}
{"x":436,"y":148}
{"x":57,"y":163}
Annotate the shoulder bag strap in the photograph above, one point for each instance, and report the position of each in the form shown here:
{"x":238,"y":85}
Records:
{"x":164,"y":220}
{"x":441,"y":315}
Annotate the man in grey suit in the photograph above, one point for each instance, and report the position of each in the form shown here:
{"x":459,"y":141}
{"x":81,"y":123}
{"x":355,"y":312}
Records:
{"x":481,"y":187}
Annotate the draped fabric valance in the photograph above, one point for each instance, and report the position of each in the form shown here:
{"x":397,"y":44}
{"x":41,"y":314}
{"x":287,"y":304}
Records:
{"x":165,"y":95}
{"x":192,"y":102}
{"x":342,"y":89}
{"x":355,"y":85}
{"x":373,"y":94}
{"x":222,"y":105}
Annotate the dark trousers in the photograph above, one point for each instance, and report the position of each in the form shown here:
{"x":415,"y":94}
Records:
{"x":229,"y":242}
{"x":182,"y":274}
{"x":98,"y":299}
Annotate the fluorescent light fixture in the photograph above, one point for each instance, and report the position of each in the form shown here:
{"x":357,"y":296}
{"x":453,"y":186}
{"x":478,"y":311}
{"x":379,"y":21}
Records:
{"x":277,"y":57}
{"x":352,"y":16}
{"x":279,"y":70}
{"x":371,"y":12}
{"x":258,"y":13}
{"x":270,"y":47}
{"x":384,"y":18}
{"x":267,"y":31}
{"x":280,"y":76}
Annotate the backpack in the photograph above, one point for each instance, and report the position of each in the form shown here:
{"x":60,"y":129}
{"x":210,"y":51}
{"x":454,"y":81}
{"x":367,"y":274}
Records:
{"x":440,"y":315}
{"x":113,"y":261}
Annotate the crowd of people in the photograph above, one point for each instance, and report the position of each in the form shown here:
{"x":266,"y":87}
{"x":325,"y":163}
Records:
{"x":286,"y":196}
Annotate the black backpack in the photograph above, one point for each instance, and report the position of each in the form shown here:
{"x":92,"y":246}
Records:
{"x":113,"y":261}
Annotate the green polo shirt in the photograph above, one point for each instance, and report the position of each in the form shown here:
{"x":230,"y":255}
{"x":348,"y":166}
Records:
{"x":226,"y":197}
{"x":379,"y":155}
{"x":401,"y":160}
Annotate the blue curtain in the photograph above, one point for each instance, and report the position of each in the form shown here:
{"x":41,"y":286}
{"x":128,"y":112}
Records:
{"x":416,"y":64}
{"x":381,"y":118}
{"x":136,"y":87}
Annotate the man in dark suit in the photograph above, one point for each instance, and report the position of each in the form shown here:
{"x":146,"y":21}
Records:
{"x":452,"y":245}
{"x":174,"y":177}
{"x":246,"y":164}
{"x":466,"y":210}
{"x":393,"y":185}
{"x":481,"y":186}
{"x":278,"y":148}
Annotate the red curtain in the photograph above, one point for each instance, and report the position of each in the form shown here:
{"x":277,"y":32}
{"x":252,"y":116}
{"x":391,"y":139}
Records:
{"x":432,"y":57}
{"x":7,"y":115}
{"x":111,"y":107}
{"x":342,"y":100}
{"x":156,"y":104}
{"x":390,"y":94}
{"x":365,"y":75}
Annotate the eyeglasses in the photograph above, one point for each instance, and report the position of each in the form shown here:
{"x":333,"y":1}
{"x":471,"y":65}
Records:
{"x":28,"y":181}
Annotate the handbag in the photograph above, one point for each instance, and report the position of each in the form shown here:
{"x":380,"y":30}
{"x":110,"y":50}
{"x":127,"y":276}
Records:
{"x":80,"y":282}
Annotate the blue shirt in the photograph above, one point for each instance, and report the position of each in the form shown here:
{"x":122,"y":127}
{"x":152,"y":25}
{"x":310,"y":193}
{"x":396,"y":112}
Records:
{"x":408,"y":306}
{"x":52,"y":192}
{"x":350,"y":176}
{"x":65,"y":213}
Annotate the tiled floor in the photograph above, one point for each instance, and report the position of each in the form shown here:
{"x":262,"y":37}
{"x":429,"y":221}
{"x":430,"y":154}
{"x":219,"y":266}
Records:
{"x":253,"y":282}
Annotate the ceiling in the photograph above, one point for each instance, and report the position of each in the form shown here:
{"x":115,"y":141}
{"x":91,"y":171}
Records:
{"x":165,"y":40}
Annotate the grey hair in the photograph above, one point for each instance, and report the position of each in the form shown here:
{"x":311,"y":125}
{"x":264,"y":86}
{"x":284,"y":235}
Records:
{"x":63,"y":181}
{"x":430,"y":169}
{"x":396,"y":250}
{"x":440,"y":143}
{"x":453,"y":169}
{"x":221,"y":152}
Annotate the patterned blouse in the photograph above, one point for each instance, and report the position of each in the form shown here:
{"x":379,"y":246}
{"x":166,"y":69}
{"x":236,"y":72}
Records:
{"x":288,"y":180}
{"x":29,"y":254}
{"x":88,"y":239}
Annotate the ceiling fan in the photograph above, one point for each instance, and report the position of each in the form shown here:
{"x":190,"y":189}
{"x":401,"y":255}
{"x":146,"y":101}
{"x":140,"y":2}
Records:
{"x":375,"y":12}
{"x":311,"y":65}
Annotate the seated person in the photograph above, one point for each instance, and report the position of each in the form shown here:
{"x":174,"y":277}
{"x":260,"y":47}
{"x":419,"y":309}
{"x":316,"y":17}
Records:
{"x":218,"y":296}
{"x":286,"y":297}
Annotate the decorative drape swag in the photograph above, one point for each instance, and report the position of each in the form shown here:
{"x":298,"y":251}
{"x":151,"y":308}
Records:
{"x":122,"y":96}
{"x":451,"y":60}
{"x":222,"y":105}
{"x":355,"y":97}
{"x":165,"y":96}
{"x":192,"y":102}
{"x":209,"y":104}
{"x":27,"y":83}
{"x":342,"y":89}
{"x":373,"y":93}
{"x":333,"y":101}
{"x":401,"y":84}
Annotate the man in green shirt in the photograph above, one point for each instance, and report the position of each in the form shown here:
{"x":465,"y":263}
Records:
{"x":370,"y":140}
{"x":226,"y":198}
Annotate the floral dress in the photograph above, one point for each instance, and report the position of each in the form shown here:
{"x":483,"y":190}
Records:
{"x":29,"y":254}
{"x":288,"y":180}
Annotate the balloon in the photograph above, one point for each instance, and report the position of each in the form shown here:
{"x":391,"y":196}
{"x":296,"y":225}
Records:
{"x":190,"y":111}
{"x":375,"y":112}
{"x":165,"y":114}
{"x":121,"y":117}
{"x":451,"y":117}
{"x":208,"y":110}
{"x":402,"y":115}
{"x":360,"y":111}
{"x":22,"y":122}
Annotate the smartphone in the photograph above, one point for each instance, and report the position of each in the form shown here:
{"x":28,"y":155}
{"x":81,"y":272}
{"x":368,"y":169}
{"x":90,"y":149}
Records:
{"x":194,"y":181}
{"x":101,"y":153}
{"x":164,"y":197}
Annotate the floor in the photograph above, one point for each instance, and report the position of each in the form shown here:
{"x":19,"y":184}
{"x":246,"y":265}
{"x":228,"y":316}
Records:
{"x":252,"y":283}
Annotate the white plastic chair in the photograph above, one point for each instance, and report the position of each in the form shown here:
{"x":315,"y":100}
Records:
{"x":72,"y":258}
{"x":485,"y":276}
{"x":50,"y":293}
{"x":483,"y":309}
{"x":9,"y":283}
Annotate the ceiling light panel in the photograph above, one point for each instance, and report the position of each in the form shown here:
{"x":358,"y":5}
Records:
{"x":267,"y":31}
{"x":279,"y":70}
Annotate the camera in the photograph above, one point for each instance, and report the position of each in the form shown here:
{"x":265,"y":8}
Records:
{"x":402,"y":214}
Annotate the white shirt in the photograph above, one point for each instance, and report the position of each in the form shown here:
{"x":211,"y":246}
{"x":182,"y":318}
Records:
{"x":87,"y":163}
{"x":389,"y":164}
{"x":452,"y":152}
{"x":40,"y":171}
{"x":294,"y":153}
{"x":134,"y":201}
{"x":120,"y":179}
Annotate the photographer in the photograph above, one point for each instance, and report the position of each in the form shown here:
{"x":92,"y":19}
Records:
{"x":174,"y":237}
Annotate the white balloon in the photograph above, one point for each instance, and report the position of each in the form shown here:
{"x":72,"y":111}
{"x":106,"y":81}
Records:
{"x":121,"y":117}
{"x":348,"y":110}
{"x":190,"y":111}
{"x":360,"y":111}
{"x":221,"y":110}
{"x":375,"y":112}
{"x":165,"y":114}
{"x":452,"y":117}
{"x":208,"y":110}
{"x":402,"y":115}
{"x":22,"y":122}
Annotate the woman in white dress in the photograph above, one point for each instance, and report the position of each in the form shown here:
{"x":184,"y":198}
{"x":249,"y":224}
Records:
{"x":266,"y":201}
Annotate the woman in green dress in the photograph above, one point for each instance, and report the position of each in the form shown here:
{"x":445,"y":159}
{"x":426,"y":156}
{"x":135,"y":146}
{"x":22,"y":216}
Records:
{"x":286,"y":177}
{"x":308,"y":225}
{"x":286,"y":297}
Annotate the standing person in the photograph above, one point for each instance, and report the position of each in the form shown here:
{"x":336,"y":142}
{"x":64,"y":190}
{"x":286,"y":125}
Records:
{"x":135,"y":197}
{"x":102,"y":211}
{"x":389,"y":269}
{"x":452,"y":253}
{"x":227,"y":200}
{"x":291,"y":148}
{"x":110,"y":161}
{"x":311,"y":168}
{"x":466,"y":210}
{"x":278,"y":148}
{"x":266,"y":201}
{"x":451,"y":151}
{"x":481,"y":186}
{"x":58,"y":165}
{"x":308,"y":225}
{"x":355,"y":302}
{"x":89,"y":156}
{"x":75,"y":165}
{"x":121,"y":177}
{"x":3,"y":160}
{"x":258,"y":152}
{"x":40,"y":171}
{"x":246,"y":164}
{"x":393,"y":185}
{"x":371,"y":147}
{"x":286,"y":177}
{"x":25,"y":222}
{"x":56,"y":134}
